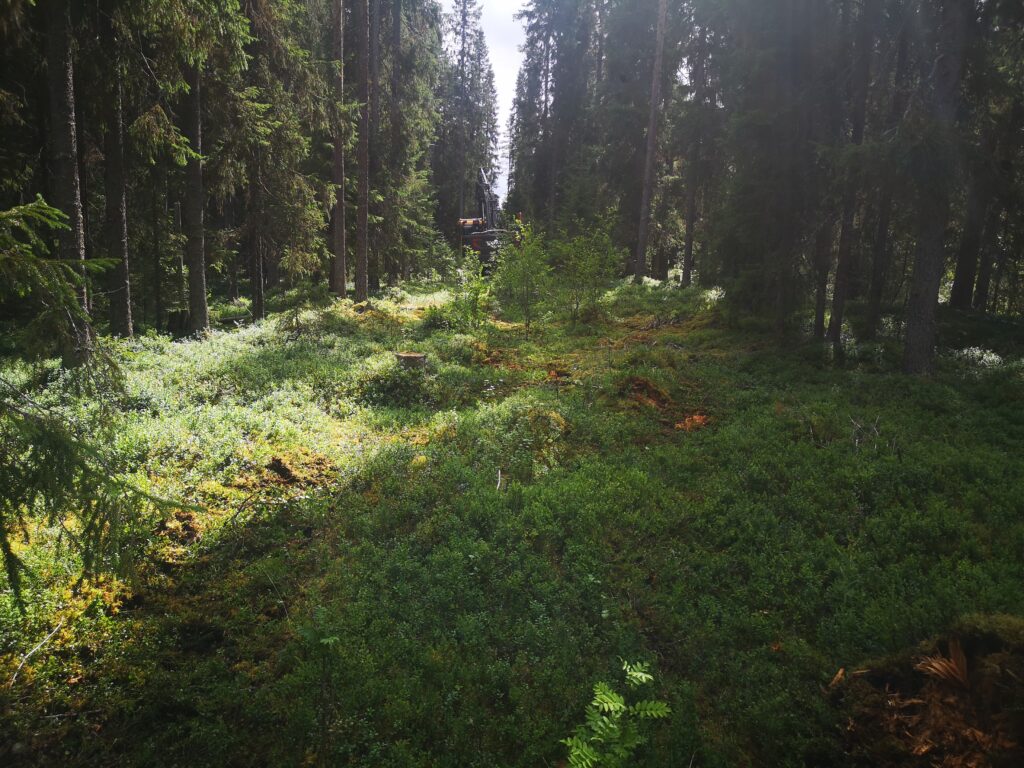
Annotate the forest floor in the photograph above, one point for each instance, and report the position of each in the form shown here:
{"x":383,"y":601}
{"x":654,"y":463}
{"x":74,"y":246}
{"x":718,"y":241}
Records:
{"x":381,"y":567}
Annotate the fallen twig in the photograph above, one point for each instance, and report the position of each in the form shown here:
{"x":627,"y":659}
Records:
{"x":30,"y":654}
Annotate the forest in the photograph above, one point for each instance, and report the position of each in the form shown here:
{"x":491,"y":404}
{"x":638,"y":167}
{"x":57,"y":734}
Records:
{"x":359,"y":408}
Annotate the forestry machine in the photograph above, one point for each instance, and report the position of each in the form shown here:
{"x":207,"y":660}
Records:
{"x":481,"y":234}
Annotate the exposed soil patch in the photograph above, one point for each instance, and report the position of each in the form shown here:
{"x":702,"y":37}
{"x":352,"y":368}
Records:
{"x":559,"y":377}
{"x":502,"y":358}
{"x":645,"y":392}
{"x":282,"y":470}
{"x":302,"y":469}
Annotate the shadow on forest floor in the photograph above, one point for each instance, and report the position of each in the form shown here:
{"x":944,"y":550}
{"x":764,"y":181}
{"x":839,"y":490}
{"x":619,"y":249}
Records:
{"x":394,"y":568}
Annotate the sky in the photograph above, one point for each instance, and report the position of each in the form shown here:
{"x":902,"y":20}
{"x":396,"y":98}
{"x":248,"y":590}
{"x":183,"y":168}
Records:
{"x":504,"y":36}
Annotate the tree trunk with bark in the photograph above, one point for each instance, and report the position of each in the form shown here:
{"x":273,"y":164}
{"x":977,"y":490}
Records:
{"x":81,"y":143}
{"x":689,"y":237}
{"x":158,"y":214}
{"x":1002,"y":255}
{"x":363,"y":151}
{"x":463,"y":111}
{"x":254,"y":240}
{"x":693,"y":170}
{"x":978,"y":200}
{"x":257,"y":277}
{"x":993,"y":171}
{"x":339,"y":266}
{"x":823,"y":240}
{"x":375,"y":256}
{"x":881,"y":252}
{"x":195,"y":205}
{"x":981,"y":290}
{"x":397,"y":148}
{"x":844,"y":261}
{"x":116,"y":223}
{"x":660,"y":262}
{"x":640,"y":257}
{"x":77,"y":347}
{"x":934,"y":208}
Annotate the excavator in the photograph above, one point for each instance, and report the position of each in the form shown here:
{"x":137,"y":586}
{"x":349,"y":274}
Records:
{"x":481,"y":234}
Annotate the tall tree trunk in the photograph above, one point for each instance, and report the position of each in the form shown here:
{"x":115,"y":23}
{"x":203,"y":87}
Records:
{"x":257,"y":277}
{"x":881,"y":251}
{"x":194,"y":209}
{"x":994,"y":170}
{"x":881,"y":255}
{"x":693,"y":170}
{"x":933,"y":214}
{"x":640,"y":257}
{"x":691,"y":226}
{"x":978,"y":199}
{"x":235,"y":266}
{"x":463,"y":112}
{"x":822,"y":267}
{"x":844,"y":262}
{"x":1002,"y":257}
{"x":64,"y":162}
{"x":83,"y":186}
{"x":660,"y":261}
{"x":258,"y":280}
{"x":363,"y":180}
{"x":544,"y":182}
{"x":375,"y":256}
{"x":981,"y":290}
{"x":181,"y":273}
{"x":339,"y":266}
{"x":397,"y":148}
{"x":255,"y":244}
{"x":156,"y":201}
{"x":116,"y":224}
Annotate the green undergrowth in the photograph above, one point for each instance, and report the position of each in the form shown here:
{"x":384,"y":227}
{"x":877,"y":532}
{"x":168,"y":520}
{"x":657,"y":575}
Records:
{"x":385,"y":567}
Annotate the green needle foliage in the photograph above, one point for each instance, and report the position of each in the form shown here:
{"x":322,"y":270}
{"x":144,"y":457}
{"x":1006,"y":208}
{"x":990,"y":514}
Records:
{"x":50,"y":474}
{"x":44,"y":288}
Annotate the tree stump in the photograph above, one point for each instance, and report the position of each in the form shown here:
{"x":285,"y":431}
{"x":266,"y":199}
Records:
{"x":411,"y":360}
